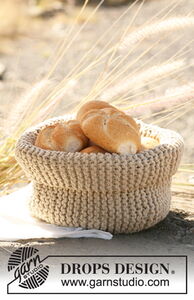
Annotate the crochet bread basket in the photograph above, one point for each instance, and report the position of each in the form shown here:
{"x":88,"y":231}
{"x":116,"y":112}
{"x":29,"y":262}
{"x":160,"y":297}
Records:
{"x":117,"y":193}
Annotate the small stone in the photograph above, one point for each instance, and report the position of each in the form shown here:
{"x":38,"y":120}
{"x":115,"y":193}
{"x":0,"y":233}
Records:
{"x":2,"y":71}
{"x":191,"y":230}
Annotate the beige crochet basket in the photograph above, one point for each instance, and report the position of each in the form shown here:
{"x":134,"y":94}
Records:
{"x":117,"y":193}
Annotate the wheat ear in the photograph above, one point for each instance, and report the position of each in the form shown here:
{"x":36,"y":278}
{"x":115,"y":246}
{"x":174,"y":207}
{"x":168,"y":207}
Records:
{"x":142,"y":78}
{"x":156,"y":28}
{"x":176,"y":97}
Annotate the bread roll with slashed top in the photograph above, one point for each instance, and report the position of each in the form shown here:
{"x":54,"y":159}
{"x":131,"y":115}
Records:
{"x":112,"y":130}
{"x":89,"y":106}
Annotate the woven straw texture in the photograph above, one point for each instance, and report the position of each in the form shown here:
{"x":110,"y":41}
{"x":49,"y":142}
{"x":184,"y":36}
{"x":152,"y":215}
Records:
{"x":117,"y":193}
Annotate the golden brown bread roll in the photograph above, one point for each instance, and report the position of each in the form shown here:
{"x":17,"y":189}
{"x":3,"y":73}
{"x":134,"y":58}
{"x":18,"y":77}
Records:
{"x":67,"y":137}
{"x":112,"y":130}
{"x":90,"y":143}
{"x":44,"y":139}
{"x":148,"y":143}
{"x":89,"y":106}
{"x":93,"y":149}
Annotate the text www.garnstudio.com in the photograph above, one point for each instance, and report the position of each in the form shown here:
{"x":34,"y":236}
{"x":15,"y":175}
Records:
{"x":93,"y":283}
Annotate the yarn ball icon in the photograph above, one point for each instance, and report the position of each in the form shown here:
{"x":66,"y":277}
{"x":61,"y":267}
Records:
{"x":27,"y":267}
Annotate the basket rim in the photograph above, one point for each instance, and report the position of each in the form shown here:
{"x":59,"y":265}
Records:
{"x":26,"y":140}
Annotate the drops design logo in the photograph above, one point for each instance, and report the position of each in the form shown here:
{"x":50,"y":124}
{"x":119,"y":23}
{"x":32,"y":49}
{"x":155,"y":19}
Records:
{"x":27,"y":268}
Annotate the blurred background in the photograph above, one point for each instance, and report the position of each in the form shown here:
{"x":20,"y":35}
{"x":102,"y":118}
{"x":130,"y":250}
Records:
{"x":31,"y":30}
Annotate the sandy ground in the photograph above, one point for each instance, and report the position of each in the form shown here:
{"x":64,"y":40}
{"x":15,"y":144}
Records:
{"x":175,"y":235}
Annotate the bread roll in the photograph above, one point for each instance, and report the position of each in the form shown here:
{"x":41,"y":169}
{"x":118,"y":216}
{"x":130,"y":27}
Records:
{"x":67,"y":137}
{"x":89,"y":106}
{"x":112,"y":130}
{"x":148,"y":143}
{"x":44,"y":139}
{"x":90,"y":143}
{"x":93,"y":149}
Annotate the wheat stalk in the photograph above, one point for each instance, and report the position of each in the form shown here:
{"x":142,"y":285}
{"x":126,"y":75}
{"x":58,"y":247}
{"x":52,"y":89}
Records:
{"x":23,"y":105}
{"x":142,"y":77}
{"x":109,"y":80}
{"x":108,"y":52}
{"x":141,"y":84}
{"x":63,"y":82}
{"x":157,"y":28}
{"x":63,"y":50}
{"x":172,"y":100}
{"x":109,"y":93}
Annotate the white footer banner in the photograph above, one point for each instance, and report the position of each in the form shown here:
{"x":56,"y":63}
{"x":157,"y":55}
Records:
{"x":29,"y":273}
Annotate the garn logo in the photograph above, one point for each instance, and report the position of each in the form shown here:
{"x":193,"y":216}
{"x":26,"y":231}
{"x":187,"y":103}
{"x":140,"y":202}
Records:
{"x":27,"y":267}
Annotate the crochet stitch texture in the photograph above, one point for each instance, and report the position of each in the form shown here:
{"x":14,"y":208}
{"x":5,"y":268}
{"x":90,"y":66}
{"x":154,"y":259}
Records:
{"x":117,"y":193}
